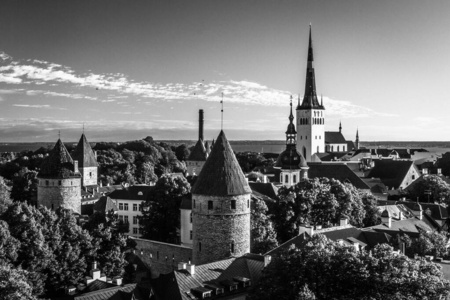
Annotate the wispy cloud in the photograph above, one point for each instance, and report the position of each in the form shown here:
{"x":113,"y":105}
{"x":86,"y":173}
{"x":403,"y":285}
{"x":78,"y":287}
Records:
{"x":36,"y":72}
{"x":44,"y":106}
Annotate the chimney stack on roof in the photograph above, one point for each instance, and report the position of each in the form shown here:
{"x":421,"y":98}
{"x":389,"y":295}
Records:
{"x":386,"y":218}
{"x":190,"y":268}
{"x":200,"y":124}
{"x":343,"y":221}
{"x":417,"y":210}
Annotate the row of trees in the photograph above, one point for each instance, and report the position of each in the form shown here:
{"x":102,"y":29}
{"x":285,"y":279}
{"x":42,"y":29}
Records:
{"x":323,"y":269}
{"x":43,"y":252}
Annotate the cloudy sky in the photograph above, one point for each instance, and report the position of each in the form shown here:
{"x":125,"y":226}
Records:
{"x":129,"y":69}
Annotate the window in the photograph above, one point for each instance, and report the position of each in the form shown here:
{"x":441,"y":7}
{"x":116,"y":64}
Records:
{"x":135,"y":230}
{"x":140,"y":230}
{"x":120,"y":206}
{"x":135,"y":220}
{"x":199,"y":246}
{"x":90,"y":174}
{"x":52,"y":206}
{"x":286,"y":178}
{"x":140,"y":207}
{"x":46,"y":182}
{"x":210,"y":205}
{"x":232,"y":247}
{"x":125,"y":206}
{"x":121,"y":218}
{"x":190,"y":235}
{"x":233,"y":204}
{"x":191,"y":217}
{"x":294,"y":178}
{"x":248,"y":203}
{"x":413,"y":177}
{"x":59,"y":182}
{"x":125,"y":219}
{"x":135,"y":207}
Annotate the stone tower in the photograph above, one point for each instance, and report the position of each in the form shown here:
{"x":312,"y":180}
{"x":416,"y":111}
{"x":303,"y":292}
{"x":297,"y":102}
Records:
{"x":220,"y":207}
{"x":310,"y":114}
{"x":292,"y":164}
{"x":87,"y":162}
{"x":199,"y":153}
{"x":59,"y":181}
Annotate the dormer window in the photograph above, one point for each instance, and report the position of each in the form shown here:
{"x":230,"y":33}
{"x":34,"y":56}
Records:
{"x":140,"y":193}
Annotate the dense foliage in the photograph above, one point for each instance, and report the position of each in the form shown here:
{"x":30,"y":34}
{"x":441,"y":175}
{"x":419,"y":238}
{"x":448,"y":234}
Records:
{"x":161,"y":211}
{"x":431,"y":188}
{"x":323,"y":269}
{"x":263,"y":235}
{"x":321,"y":201}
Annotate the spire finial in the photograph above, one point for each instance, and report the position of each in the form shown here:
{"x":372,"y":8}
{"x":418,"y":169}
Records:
{"x":221,"y":111}
{"x":291,"y":116}
{"x":340,"y":126}
{"x":59,"y":134}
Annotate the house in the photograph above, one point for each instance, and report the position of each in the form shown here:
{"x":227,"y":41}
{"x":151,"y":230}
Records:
{"x":129,"y":200}
{"x":394,"y":174}
{"x":336,"y":170}
{"x":229,"y":278}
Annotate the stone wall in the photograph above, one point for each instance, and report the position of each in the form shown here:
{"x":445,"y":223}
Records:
{"x":162,"y":257}
{"x":89,"y":175}
{"x":55,"y":193}
{"x":216,"y":231}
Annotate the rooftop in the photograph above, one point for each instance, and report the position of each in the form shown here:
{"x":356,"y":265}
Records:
{"x":58,"y":164}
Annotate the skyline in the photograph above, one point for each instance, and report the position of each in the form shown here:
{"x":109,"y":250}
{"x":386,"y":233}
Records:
{"x":129,"y":71}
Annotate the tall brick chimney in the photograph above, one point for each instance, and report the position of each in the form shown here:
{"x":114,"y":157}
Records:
{"x":200,"y":124}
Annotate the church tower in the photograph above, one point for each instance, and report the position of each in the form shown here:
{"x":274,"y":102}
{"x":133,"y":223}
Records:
{"x":220,"y":207}
{"x":87,"y":162}
{"x":357,"y":140}
{"x":199,"y":153}
{"x":292,"y":164}
{"x":59,"y":181}
{"x":310,"y":114}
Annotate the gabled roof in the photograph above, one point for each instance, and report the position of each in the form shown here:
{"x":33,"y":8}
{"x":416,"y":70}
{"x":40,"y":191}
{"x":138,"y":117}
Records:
{"x":391,"y":172}
{"x":266,"y":189}
{"x":198,"y":153}
{"x":334,"y":137}
{"x":135,"y":192}
{"x":411,"y":226}
{"x":434,"y":210}
{"x":105,"y":204}
{"x":339,"y":171}
{"x":84,"y":154}
{"x":221,"y":175}
{"x":130,"y":291}
{"x":58,"y":164}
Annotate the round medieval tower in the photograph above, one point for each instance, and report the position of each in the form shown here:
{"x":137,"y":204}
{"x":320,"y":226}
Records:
{"x":220,"y":207}
{"x":59,"y":181}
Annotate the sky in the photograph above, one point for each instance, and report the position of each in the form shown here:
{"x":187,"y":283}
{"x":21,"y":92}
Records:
{"x":129,"y":69}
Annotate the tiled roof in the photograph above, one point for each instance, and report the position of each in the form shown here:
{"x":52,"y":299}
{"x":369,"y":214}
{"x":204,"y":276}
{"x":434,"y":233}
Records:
{"x":436,"y":211}
{"x":105,"y":204}
{"x":334,"y":137}
{"x":408,"y":226}
{"x":97,"y":285}
{"x":391,"y":172}
{"x":266,"y":189}
{"x":59,"y":164}
{"x":339,"y":171}
{"x":135,"y":192}
{"x":198,"y":153}
{"x":131,"y":291}
{"x":221,"y":175}
{"x":330,"y":156}
{"x":84,"y":154}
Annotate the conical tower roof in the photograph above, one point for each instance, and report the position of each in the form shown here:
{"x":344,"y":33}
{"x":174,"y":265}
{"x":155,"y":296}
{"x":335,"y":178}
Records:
{"x":199,"y":152}
{"x":84,"y":154}
{"x":221,"y":175}
{"x":59,"y":164}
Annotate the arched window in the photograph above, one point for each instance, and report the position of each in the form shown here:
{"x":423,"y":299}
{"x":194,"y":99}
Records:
{"x":304,"y":152}
{"x":332,"y":148}
{"x":191,"y":217}
{"x":286,"y":178}
{"x":232,"y":247}
{"x":337,"y":148}
{"x":294,"y":178}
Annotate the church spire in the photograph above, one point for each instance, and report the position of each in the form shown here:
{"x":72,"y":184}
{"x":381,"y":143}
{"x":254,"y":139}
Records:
{"x":340,"y":126}
{"x":290,"y":132}
{"x":310,"y":98}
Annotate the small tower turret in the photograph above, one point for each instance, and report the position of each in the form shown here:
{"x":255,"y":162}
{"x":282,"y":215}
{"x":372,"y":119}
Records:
{"x":357,"y":140}
{"x":292,"y":164}
{"x":87,"y":162}
{"x":220,"y":207}
{"x":59,"y":181}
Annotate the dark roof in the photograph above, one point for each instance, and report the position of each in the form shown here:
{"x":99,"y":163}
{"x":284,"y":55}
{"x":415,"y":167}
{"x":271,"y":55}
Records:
{"x":198,"y":153}
{"x":58,"y":164}
{"x":97,"y":285}
{"x":339,"y":171}
{"x":84,"y":154}
{"x":221,"y":175}
{"x":346,"y":233}
{"x":334,"y":137}
{"x":350,"y":145}
{"x":391,"y":172}
{"x":105,"y":204}
{"x":186,"y":202}
{"x":135,"y":192}
{"x":436,"y":211}
{"x":331,"y":156}
{"x":290,"y":159}
{"x":266,"y":189}
{"x":411,"y":226}
{"x":126,"y":292}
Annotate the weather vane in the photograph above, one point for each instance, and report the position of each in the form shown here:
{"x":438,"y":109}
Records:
{"x":221,"y":111}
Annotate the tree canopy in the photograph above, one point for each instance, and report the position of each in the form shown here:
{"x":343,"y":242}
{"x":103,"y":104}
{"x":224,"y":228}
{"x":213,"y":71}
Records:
{"x":323,"y":269}
{"x":431,"y":188}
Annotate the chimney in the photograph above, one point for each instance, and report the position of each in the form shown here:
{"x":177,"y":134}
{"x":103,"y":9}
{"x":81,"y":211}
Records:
{"x":75,"y":166}
{"x":400,"y":215}
{"x":306,"y":228}
{"x":71,"y":290}
{"x":439,"y":171}
{"x":95,"y":273}
{"x":190,"y":268}
{"x":417,"y":210}
{"x":386,"y":218}
{"x":267,"y":260}
{"x":181,"y":265}
{"x":117,"y":280}
{"x":343,"y":221}
{"x":200,"y":124}
{"x":425,"y":171}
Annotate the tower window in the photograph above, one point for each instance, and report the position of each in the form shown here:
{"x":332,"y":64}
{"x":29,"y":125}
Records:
{"x":210,"y":205}
{"x":232,"y":247}
{"x":190,"y":235}
{"x":59,"y":182}
{"x":90,"y":174}
{"x":46,"y":182}
{"x":248,"y":201}
{"x":233,"y":204}
{"x":199,"y":246}
{"x":191,"y":217}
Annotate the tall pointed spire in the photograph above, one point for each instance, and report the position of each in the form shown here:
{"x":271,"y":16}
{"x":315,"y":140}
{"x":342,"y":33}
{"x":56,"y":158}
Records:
{"x":290,"y":132}
{"x":340,"y":126}
{"x":310,"y":99}
{"x":357,"y":133}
